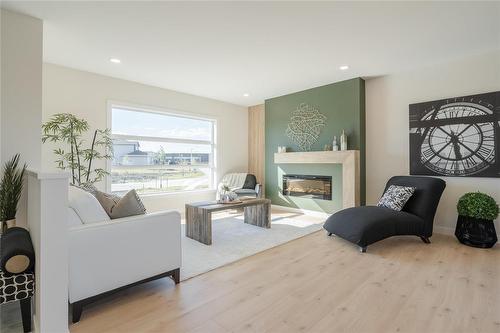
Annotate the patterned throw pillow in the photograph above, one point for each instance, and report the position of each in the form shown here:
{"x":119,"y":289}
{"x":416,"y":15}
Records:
{"x":15,"y":287}
{"x":396,"y":197}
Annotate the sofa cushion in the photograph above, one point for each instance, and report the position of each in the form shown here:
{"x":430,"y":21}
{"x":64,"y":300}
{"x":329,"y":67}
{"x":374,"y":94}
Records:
{"x":116,"y":207}
{"x":245,"y":192}
{"x":368,"y":224}
{"x":86,"y":206}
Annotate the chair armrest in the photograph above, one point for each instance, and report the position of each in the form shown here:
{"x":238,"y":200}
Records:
{"x":107,"y":255}
{"x":258,"y":190}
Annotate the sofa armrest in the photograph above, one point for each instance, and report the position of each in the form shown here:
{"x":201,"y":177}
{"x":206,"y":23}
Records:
{"x":155,"y":217}
{"x":107,"y":255}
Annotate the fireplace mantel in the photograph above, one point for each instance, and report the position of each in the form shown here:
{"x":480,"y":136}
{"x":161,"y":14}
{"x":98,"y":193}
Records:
{"x":350,"y":169}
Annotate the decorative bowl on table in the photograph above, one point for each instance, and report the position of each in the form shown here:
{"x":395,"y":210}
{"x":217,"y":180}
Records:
{"x":229,"y":197}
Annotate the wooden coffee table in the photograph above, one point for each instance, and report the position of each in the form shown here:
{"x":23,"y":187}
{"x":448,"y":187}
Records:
{"x":199,"y":216}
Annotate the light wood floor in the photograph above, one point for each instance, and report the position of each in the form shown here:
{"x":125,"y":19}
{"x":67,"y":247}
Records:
{"x":321,"y":284}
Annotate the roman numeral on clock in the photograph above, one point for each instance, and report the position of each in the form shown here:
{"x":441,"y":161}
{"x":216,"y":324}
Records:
{"x":469,"y":162}
{"x":484,"y":152}
{"x":427,"y":153}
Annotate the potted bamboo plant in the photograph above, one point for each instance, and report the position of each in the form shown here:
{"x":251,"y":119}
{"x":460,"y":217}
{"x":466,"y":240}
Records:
{"x":475,"y":227}
{"x":72,"y":152}
{"x":11,"y":188}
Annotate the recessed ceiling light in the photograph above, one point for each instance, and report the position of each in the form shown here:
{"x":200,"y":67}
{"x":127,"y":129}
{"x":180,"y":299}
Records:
{"x":115,"y":60}
{"x":246,"y":94}
{"x":344,"y":67}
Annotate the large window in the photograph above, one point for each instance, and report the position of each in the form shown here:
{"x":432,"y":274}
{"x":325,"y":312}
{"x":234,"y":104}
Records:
{"x":155,"y":152}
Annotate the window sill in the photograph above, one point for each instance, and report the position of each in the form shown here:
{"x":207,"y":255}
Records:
{"x":179,"y":193}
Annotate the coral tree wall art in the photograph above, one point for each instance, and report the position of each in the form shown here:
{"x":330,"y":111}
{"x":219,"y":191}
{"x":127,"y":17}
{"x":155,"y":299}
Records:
{"x":304,"y":128}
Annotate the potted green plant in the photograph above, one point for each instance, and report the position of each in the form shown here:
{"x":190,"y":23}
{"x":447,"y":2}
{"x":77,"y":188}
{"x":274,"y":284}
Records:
{"x":475,"y":227}
{"x":11,"y":188}
{"x":67,"y":130}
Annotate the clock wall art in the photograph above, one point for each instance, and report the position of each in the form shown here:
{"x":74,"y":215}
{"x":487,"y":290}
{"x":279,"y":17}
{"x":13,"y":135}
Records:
{"x":457,"y":137}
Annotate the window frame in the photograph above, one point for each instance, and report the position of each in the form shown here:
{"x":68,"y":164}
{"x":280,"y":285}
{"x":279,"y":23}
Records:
{"x":214,"y":145}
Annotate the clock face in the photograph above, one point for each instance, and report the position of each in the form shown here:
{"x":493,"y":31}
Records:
{"x":458,"y":148}
{"x":456,"y":136}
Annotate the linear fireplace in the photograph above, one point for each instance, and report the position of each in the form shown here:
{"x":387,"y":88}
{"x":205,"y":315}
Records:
{"x":308,"y":186}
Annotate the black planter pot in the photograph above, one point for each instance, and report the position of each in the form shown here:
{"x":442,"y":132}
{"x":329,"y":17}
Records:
{"x":476,"y":232}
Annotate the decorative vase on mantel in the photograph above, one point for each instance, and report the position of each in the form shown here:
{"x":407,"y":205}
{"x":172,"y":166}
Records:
{"x":343,"y":141}
{"x":335,"y":146}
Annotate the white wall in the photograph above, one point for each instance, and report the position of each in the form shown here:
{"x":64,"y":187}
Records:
{"x":21,"y":118}
{"x":86,"y":95}
{"x":21,"y":93}
{"x":21,"y":87}
{"x":387,"y":123}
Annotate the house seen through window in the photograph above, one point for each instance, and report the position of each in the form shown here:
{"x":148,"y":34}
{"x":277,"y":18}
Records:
{"x":158,"y":152}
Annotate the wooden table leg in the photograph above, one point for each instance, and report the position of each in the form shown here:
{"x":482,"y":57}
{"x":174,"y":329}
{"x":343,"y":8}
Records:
{"x":259,"y":215}
{"x":199,"y":224}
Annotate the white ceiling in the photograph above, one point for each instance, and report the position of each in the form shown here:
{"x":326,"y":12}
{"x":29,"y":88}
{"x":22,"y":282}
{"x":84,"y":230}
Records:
{"x":223,"y":50}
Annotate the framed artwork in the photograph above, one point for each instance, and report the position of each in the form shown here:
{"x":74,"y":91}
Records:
{"x":456,"y":137}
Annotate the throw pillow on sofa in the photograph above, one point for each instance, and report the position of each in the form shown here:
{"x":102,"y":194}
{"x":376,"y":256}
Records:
{"x":86,"y":206}
{"x":396,"y":197}
{"x":116,"y":207}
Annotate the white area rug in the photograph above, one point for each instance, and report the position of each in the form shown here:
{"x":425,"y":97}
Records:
{"x":232,"y":240}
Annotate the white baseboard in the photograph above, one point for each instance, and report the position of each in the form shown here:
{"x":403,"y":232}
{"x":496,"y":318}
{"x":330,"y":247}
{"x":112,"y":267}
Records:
{"x":302,"y":211}
{"x":438,"y":229}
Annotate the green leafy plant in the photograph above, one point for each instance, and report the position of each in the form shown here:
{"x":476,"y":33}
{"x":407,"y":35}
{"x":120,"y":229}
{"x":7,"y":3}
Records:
{"x":68,"y":131}
{"x":11,"y":188}
{"x":477,"y":205}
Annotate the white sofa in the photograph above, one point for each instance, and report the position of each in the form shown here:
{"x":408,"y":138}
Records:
{"x":109,"y":255}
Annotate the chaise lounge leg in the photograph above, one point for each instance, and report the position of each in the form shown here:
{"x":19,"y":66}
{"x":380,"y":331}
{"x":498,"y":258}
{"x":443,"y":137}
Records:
{"x":426,"y":240}
{"x":26,"y":314}
{"x":176,"y":275}
{"x":329,"y":234}
{"x":77,"y":311}
{"x":362,"y":249}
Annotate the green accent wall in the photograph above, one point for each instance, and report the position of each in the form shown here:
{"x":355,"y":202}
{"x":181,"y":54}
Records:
{"x":343,"y":104}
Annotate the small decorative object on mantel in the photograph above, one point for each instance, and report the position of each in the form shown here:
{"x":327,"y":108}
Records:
{"x":11,"y":188}
{"x":282,"y":149}
{"x":456,"y":137}
{"x":475,"y":227}
{"x":335,"y":145}
{"x":327,"y":147}
{"x":343,"y":141}
{"x":305,"y":126}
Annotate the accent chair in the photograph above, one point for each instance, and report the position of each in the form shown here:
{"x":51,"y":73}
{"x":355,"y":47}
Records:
{"x":369,"y":224}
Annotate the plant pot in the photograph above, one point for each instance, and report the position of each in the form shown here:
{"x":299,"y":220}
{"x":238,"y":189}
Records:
{"x":8,"y":224}
{"x":475,"y":232}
